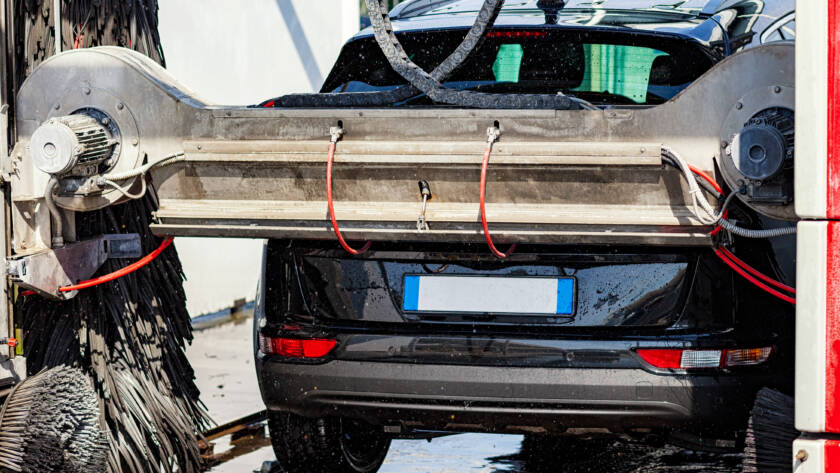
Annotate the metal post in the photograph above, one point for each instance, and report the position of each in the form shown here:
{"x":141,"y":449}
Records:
{"x":10,"y":367}
{"x":57,"y":24}
{"x":818,"y":242}
{"x":6,"y":327}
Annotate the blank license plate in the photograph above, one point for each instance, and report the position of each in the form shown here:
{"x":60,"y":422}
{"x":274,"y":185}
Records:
{"x":489,"y":294}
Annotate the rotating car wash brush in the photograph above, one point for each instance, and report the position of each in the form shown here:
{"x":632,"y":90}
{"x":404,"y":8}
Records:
{"x":770,"y":434}
{"x":129,"y":333}
{"x":50,"y":423}
{"x":84,"y":23}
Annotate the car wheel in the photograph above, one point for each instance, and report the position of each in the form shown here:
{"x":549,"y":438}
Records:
{"x":326,"y":445}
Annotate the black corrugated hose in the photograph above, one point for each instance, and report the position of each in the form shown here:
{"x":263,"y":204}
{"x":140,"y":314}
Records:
{"x":416,"y":76}
{"x":421,"y":81}
{"x":129,"y":334}
{"x":485,"y":19}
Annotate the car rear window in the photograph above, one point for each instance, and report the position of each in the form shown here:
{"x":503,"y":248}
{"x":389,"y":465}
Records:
{"x":601,"y":67}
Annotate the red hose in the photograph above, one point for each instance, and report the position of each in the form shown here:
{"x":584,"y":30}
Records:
{"x":120,"y":272}
{"x":331,"y":208}
{"x":751,"y":279}
{"x":482,"y":190}
{"x":706,"y":178}
{"x":756,"y":272}
{"x":738,"y":265}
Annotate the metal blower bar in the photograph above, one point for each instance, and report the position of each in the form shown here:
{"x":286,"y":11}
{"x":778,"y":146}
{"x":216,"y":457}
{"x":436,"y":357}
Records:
{"x":558,"y":176}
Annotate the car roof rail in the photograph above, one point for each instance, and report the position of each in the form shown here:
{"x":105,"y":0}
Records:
{"x":712,"y":7}
{"x":416,"y":8}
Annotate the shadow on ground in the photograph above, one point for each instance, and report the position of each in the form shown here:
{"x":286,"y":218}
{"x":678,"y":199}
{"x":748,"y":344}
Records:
{"x":610,"y":455}
{"x":599,"y":454}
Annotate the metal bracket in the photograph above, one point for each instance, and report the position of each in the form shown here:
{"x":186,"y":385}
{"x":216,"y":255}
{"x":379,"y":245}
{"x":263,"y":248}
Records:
{"x":7,"y":166}
{"x":46,"y":271}
{"x":426,"y":194}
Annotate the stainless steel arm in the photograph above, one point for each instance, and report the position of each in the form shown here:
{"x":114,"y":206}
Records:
{"x":575,"y":176}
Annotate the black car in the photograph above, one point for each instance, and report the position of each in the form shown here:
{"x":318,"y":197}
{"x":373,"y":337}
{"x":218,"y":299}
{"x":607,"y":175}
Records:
{"x":411,"y":340}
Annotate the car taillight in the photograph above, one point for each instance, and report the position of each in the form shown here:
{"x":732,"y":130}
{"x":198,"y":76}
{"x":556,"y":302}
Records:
{"x":693,"y":359}
{"x":677,"y":359}
{"x":297,"y":347}
{"x":662,"y":358}
{"x":748,"y":357}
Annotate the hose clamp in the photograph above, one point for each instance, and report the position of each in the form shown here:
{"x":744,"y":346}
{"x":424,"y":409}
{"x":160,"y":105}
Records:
{"x":336,"y":133}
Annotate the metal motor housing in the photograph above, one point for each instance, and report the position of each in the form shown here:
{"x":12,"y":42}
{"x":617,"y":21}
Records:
{"x":758,"y":159}
{"x":73,"y":145}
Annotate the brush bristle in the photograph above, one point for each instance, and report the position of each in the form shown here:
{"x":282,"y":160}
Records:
{"x":770,"y":434}
{"x":13,"y":424}
{"x":51,"y":424}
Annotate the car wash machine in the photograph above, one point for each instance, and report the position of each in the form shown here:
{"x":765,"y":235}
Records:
{"x":96,"y":127}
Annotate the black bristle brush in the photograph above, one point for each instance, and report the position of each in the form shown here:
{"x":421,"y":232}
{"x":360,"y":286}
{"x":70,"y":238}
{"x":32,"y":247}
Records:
{"x":50,"y":423}
{"x":770,"y":434}
{"x":129,"y":335}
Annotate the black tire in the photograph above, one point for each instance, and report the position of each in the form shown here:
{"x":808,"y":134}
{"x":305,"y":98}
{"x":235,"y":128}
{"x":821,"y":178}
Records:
{"x":326,"y":445}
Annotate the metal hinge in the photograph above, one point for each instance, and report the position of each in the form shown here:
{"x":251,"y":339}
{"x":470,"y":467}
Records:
{"x":47,"y":271}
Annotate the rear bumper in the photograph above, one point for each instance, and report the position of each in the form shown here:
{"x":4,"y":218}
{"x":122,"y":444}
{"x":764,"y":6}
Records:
{"x":509,"y":399}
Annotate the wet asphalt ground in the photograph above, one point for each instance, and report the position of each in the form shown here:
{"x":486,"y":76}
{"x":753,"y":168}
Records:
{"x":488,"y":453}
{"x":224,"y":366}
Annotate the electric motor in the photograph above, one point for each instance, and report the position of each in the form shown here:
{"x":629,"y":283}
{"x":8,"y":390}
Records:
{"x":74,"y":145}
{"x":760,"y":157}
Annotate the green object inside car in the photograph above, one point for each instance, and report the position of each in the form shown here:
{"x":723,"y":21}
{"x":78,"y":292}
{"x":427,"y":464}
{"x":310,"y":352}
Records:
{"x":508,"y":63}
{"x":618,"y":69}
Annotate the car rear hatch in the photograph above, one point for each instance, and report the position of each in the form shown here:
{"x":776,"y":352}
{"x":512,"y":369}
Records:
{"x":458,"y":287}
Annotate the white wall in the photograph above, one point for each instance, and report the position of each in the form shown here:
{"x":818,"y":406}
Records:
{"x":241,"y":52}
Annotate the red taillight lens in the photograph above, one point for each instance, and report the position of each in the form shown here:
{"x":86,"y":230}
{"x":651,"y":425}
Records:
{"x":297,"y":348}
{"x":669,"y":359}
{"x":677,"y":359}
